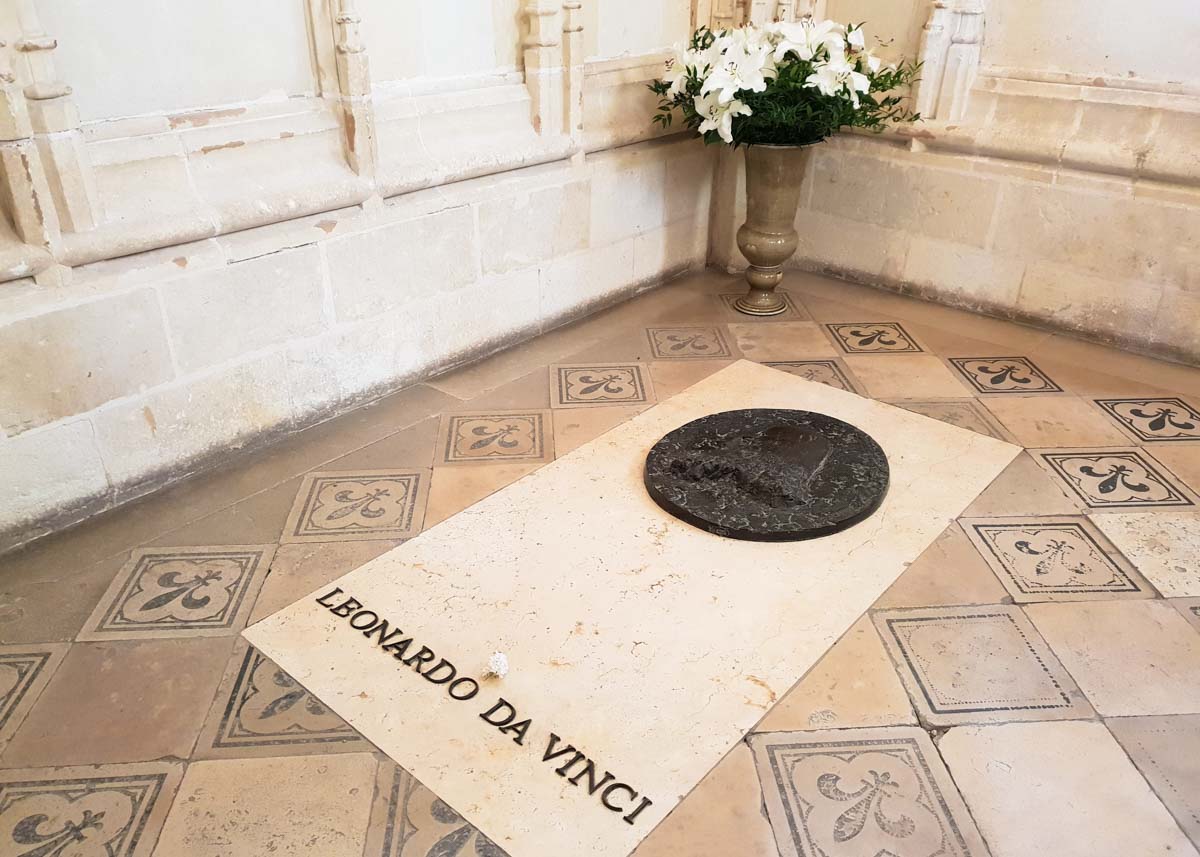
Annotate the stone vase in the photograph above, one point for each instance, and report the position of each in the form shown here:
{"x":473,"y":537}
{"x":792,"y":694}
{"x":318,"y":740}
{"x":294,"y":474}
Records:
{"x":768,"y":238}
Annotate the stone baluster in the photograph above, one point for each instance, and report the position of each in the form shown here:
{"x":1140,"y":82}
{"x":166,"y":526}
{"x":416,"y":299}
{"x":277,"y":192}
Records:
{"x":544,"y":65}
{"x":357,"y":113}
{"x":962,"y":62}
{"x":728,"y":13}
{"x":573,"y":62}
{"x":54,"y":120}
{"x":935,"y":42}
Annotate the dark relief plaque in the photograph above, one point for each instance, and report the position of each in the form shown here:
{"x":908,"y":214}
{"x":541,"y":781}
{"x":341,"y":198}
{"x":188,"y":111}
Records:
{"x":768,"y":475}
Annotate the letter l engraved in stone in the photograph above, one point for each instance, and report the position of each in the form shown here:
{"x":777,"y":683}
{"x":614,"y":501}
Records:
{"x":322,"y":600}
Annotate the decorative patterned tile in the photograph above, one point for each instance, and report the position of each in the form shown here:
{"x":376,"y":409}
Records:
{"x":829,"y":372}
{"x":1189,"y":608}
{"x":873,"y":337}
{"x":262,"y":711}
{"x":504,"y":436}
{"x":105,"y":811}
{"x":1115,"y":478}
{"x":977,"y":665}
{"x":964,"y":413}
{"x":181,"y":592}
{"x":408,"y":820}
{"x":1004,"y":375}
{"x":1164,"y":546}
{"x":1053,"y":559}
{"x":792,"y":313}
{"x":358,"y":505}
{"x":600,"y":385}
{"x":1154,"y":419}
{"x":24,"y":673}
{"x":694,"y":343}
{"x":1163,"y":749}
{"x":862,"y":793}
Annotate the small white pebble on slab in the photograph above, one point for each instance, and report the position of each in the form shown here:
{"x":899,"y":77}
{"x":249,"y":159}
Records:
{"x":497,"y":665}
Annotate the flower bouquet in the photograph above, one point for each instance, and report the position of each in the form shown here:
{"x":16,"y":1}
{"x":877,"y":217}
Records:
{"x":777,"y":90}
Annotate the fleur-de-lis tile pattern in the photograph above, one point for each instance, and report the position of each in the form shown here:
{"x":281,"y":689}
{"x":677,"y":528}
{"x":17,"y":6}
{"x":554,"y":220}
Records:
{"x":964,"y":413}
{"x":862,"y":793}
{"x":826,"y":372}
{"x":260,"y":709}
{"x":1155,"y":419}
{"x":501,"y":436}
{"x":111,"y":811}
{"x":682,"y":343}
{"x":1115,"y":479}
{"x":1048,"y":559}
{"x":873,"y":337}
{"x":417,"y":823}
{"x":1004,"y":375}
{"x":977,"y":665}
{"x":181,"y":592}
{"x":599,"y":385}
{"x":363,"y":504}
{"x":24,"y":673}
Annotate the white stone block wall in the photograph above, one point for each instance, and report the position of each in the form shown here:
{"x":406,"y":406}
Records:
{"x":146,"y":368}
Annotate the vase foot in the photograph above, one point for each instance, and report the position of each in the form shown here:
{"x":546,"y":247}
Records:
{"x":760,"y":303}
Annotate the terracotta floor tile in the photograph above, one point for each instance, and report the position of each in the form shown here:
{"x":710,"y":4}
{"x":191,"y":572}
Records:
{"x":600,"y":385}
{"x":1162,"y":749}
{"x":478,"y":378}
{"x":1094,"y":357}
{"x":531,"y":390}
{"x":675,"y":376}
{"x":854,"y":684}
{"x":181,"y":592}
{"x":831,"y":371}
{"x":1164,"y":546}
{"x":722,"y":816}
{"x":257,"y":519}
{"x":358,"y":505}
{"x":1054,"y":559}
{"x":1087,"y":382}
{"x":289,"y":806}
{"x":949,"y":572}
{"x":977,"y":665}
{"x":1065,"y":789}
{"x":964,"y":413}
{"x":455,"y":488}
{"x":410,"y":448}
{"x":110,"y":810}
{"x":24,"y":673}
{"x":408,"y":820}
{"x":145,"y":700}
{"x":1120,"y":478}
{"x":1182,"y":459}
{"x":1024,"y":489}
{"x":1053,"y":421}
{"x":1129,"y":657}
{"x":905,"y":376}
{"x":42,"y":610}
{"x":797,"y":340}
{"x":495,"y":437}
{"x":575,"y":427}
{"x":296,"y":570}
{"x":259,"y":710}
{"x":1189,"y":608}
{"x":860,"y":792}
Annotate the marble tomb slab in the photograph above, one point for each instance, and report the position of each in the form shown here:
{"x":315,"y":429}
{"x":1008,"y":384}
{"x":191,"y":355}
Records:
{"x":641,"y":648}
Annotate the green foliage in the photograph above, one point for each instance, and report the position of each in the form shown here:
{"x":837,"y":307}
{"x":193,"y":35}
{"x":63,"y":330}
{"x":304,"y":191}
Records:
{"x":789,"y":112}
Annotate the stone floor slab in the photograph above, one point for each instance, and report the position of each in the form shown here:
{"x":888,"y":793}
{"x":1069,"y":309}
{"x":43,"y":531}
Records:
{"x":1129,"y":657}
{"x":785,"y":341}
{"x":24,"y":673}
{"x":1065,"y":789}
{"x":300,"y":568}
{"x":303,"y":805}
{"x":905,"y":376}
{"x":1189,"y":608}
{"x":950,"y":571}
{"x":832,"y":372}
{"x":106,"y":810}
{"x":606,"y":607}
{"x":977,"y":665}
{"x":1165,"y":547}
{"x":858,"y":792}
{"x":1041,"y":421}
{"x":964,"y":413}
{"x":1164,"y":750}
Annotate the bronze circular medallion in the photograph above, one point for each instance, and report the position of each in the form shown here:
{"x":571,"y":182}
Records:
{"x":768,"y":474}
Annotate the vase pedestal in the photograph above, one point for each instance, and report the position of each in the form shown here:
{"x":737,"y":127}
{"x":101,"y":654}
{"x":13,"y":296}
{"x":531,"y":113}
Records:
{"x":768,"y":238}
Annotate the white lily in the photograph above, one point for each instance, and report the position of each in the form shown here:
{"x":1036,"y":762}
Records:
{"x":718,"y":115}
{"x":739,"y":68}
{"x":807,"y":37}
{"x":874,"y":63}
{"x":685,"y":58}
{"x":838,"y":75}
{"x":855,"y":40}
